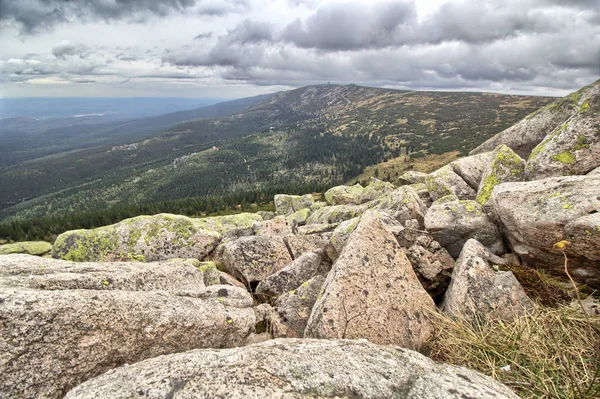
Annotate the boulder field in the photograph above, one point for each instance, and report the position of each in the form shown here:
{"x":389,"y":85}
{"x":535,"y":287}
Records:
{"x":319,"y":299}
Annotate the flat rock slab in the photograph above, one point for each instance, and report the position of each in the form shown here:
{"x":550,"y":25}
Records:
{"x":51,"y":274}
{"x":293,"y":368}
{"x":50,"y":341}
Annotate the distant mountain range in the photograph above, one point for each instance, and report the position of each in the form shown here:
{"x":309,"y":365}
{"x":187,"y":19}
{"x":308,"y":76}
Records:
{"x":315,"y":135}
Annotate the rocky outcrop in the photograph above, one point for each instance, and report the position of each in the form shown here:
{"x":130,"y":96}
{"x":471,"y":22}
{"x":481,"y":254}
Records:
{"x":300,"y":270}
{"x":38,"y":248}
{"x":344,"y":195}
{"x":471,"y":168}
{"x":277,"y":226}
{"x":335,"y":214}
{"x":67,"y":322}
{"x":293,"y":309}
{"x":411,"y":177}
{"x":535,"y":215}
{"x":506,"y":166}
{"x":445,"y":181}
{"x":287,"y":204}
{"x":151,"y":238}
{"x":372,"y":292}
{"x":431,"y":262}
{"x":573,"y":148}
{"x":479,"y":290}
{"x":299,"y":244}
{"x":28,"y":271}
{"x":403,"y":204}
{"x":524,"y":136}
{"x":375,"y":189}
{"x":253,"y":259}
{"x":341,"y":234}
{"x":294,"y":368}
{"x":452,"y":222}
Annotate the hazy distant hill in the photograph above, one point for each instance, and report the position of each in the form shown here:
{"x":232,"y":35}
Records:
{"x":308,"y":137}
{"x":26,"y":138}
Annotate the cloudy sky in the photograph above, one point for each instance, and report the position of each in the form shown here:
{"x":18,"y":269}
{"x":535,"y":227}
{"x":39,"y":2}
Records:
{"x":236,"y":48}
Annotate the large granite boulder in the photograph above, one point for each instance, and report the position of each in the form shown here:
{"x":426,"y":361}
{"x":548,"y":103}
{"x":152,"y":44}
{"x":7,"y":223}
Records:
{"x":344,"y":195}
{"x":524,"y":136}
{"x":471,"y":168}
{"x":146,"y":238}
{"x":299,"y":244}
{"x":294,"y":368}
{"x":403,"y":204}
{"x":335,"y":214}
{"x":287,"y":204}
{"x":411,"y":177}
{"x":452,"y":222}
{"x":253,"y":259}
{"x":506,"y":166}
{"x":300,"y":270}
{"x":445,"y":181}
{"x":38,"y":248}
{"x":293,"y":309}
{"x":535,"y":215}
{"x":372,"y":292}
{"x":572,"y":148}
{"x":477,"y":290}
{"x":34,"y":272}
{"x":276,"y":226}
{"x":375,"y":189}
{"x":64,"y":323}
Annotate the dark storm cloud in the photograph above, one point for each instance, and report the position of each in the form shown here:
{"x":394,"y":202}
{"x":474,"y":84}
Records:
{"x":201,"y":36}
{"x":32,"y":16}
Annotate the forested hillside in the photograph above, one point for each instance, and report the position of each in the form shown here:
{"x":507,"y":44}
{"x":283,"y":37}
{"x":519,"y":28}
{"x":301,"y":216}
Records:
{"x":302,"y":140}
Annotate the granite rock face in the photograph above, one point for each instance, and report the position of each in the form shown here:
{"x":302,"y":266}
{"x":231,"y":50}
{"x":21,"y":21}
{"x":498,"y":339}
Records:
{"x":372,"y":292}
{"x":294,"y":368}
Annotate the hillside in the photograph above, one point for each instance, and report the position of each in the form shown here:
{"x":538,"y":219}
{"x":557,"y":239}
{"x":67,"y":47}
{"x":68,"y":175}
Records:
{"x":301,"y":140}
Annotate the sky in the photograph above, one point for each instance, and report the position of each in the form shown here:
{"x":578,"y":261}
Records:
{"x":239,"y":48}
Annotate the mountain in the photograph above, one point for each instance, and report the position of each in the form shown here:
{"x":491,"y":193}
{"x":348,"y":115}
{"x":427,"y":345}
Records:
{"x":26,"y":138}
{"x":301,"y":140}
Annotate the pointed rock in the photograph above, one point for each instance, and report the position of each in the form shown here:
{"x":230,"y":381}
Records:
{"x":506,"y":166}
{"x":372,"y":292}
{"x":471,"y":168}
{"x":478,"y":290}
{"x":287,"y":204}
{"x":445,"y":181}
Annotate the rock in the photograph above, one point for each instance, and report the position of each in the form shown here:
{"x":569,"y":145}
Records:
{"x":535,"y":215}
{"x":29,"y":271}
{"x":212,"y":276}
{"x":294,"y":368}
{"x":573,"y":148}
{"x":411,"y":177}
{"x":298,"y":218}
{"x":506,"y":166}
{"x":300,"y":270}
{"x":372,"y":292}
{"x":524,"y":136}
{"x":375,"y":189}
{"x":38,"y":248}
{"x":471,"y":168}
{"x":228,"y":279}
{"x":294,"y":308}
{"x":266,"y":215}
{"x":301,"y":244}
{"x":476,"y":289}
{"x":145,"y":238}
{"x":274,"y":227}
{"x":595,"y":171}
{"x":252,"y":259}
{"x":230,"y":226}
{"x":452,"y":222}
{"x":422,"y":192}
{"x":287,"y":204}
{"x":344,"y":195}
{"x":431,"y":262}
{"x":445,"y":181}
{"x":341,"y":234}
{"x":317,"y":228}
{"x":335,"y":214}
{"x":403,"y":204}
{"x":51,"y":341}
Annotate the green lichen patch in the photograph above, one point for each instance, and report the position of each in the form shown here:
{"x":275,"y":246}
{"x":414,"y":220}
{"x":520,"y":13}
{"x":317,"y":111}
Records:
{"x":26,"y":247}
{"x":506,"y":166}
{"x":565,"y":157}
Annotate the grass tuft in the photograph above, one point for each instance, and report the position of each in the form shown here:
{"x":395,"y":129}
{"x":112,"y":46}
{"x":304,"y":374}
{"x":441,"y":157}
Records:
{"x":552,"y":352}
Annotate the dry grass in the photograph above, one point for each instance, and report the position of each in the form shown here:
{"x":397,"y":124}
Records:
{"x":552,"y":352}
